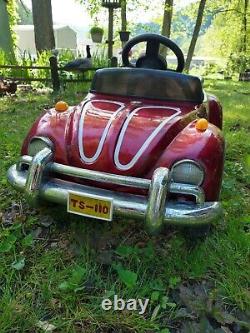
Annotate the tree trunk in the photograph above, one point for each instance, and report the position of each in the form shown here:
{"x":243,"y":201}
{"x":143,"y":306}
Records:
{"x":43,"y":25}
{"x":166,"y":24}
{"x":6,"y":42}
{"x":244,"y":42}
{"x":123,"y":17}
{"x":195,"y":34}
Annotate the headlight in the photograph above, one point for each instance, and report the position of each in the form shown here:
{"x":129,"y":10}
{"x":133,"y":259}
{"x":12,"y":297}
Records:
{"x":187,"y":172}
{"x":37,"y":144}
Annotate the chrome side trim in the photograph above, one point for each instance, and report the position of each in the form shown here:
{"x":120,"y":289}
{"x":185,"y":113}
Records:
{"x":145,"y":145}
{"x":104,"y":134}
{"x":46,"y":140}
{"x":49,"y":144}
{"x":187,"y":189}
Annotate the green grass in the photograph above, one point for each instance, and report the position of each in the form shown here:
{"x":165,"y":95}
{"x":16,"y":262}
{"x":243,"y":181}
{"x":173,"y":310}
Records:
{"x":61,"y":273}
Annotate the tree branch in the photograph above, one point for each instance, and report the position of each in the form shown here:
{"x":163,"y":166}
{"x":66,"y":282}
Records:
{"x":24,"y":7}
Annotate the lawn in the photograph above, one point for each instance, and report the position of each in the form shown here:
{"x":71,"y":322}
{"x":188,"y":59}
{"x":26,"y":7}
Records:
{"x":56,"y":269}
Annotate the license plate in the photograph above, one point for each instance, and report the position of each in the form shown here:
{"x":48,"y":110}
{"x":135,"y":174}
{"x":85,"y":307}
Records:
{"x":91,"y":206}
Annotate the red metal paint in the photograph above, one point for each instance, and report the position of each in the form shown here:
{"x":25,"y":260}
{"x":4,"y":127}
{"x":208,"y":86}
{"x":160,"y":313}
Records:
{"x":178,"y":139}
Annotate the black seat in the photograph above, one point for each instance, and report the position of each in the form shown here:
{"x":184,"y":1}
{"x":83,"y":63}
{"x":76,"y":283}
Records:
{"x":148,"y":83}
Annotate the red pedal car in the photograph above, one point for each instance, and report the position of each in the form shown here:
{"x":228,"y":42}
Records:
{"x":146,"y":143}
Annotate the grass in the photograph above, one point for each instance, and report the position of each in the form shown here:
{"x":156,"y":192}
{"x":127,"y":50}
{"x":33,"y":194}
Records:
{"x":56,"y":269}
{"x":99,"y":60}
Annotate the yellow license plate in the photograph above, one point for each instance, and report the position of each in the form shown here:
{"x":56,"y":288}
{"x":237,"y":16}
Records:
{"x":91,"y":206}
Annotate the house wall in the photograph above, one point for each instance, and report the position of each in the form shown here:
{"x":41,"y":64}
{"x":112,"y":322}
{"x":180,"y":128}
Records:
{"x":26,"y":41}
{"x":65,"y":38}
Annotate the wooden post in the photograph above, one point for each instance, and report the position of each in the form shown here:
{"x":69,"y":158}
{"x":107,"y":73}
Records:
{"x":114,"y":62}
{"x":54,"y":73}
{"x":110,"y":38}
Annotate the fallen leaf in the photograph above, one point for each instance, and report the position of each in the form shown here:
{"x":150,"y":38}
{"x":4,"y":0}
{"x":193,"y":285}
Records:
{"x":45,"y":326}
{"x":226,"y":329}
{"x":155,"y":312}
{"x":36,"y":232}
{"x":18,"y":265}
{"x":46,"y":221}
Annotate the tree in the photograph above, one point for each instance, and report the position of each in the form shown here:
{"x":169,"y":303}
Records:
{"x":244,"y":26}
{"x":94,"y":8}
{"x":43,"y":25}
{"x":24,"y":13}
{"x":124,"y":15}
{"x":6,"y":40}
{"x":231,"y":28}
{"x":167,"y":18}
{"x":166,"y":24}
{"x":147,"y":27}
{"x":195,"y":34}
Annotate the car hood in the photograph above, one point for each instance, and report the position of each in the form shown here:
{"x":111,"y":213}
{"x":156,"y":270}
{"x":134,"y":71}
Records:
{"x":123,"y":137}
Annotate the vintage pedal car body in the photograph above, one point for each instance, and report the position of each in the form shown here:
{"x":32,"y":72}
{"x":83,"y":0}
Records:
{"x":146,"y":143}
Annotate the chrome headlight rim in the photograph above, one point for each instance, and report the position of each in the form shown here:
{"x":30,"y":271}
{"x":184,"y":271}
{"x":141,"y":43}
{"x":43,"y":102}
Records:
{"x":44,"y":139}
{"x":197,"y":164}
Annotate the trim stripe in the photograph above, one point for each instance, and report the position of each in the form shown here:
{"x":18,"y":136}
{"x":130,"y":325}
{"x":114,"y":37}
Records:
{"x":92,"y":159}
{"x":145,"y":145}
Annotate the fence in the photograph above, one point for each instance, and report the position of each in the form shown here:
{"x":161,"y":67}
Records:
{"x":55,"y":78}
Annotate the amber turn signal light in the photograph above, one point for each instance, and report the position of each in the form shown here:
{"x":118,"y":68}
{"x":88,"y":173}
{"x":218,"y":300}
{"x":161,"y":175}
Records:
{"x":61,"y":106}
{"x":201,"y":125}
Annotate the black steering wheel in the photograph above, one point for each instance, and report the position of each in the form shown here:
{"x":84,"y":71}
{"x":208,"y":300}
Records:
{"x":152,"y":59}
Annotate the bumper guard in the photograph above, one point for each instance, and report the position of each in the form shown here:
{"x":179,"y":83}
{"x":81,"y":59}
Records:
{"x":155,"y":210}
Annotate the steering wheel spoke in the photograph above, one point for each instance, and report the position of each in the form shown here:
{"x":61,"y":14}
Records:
{"x":153,"y":48}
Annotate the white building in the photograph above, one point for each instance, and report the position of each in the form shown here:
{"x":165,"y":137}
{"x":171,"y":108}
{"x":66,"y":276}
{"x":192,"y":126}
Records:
{"x":65,"y":38}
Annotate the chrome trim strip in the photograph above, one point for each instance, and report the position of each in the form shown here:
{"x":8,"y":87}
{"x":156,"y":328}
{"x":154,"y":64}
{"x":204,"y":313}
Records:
{"x":187,"y":189}
{"x":103,"y":177}
{"x":46,"y":140}
{"x":145,"y":145}
{"x":92,"y":159}
{"x":125,"y":205}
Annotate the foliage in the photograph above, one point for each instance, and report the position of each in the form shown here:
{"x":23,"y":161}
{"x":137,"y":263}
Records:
{"x":239,"y":62}
{"x":92,"y":6}
{"x":141,"y":28}
{"x":99,"y":60}
{"x":13,"y":18}
{"x":24,"y":13}
{"x":225,"y":36}
{"x":96,"y":30}
{"x":184,"y":22}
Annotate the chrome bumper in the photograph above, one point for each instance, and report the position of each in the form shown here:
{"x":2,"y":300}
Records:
{"x":154,"y":210}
